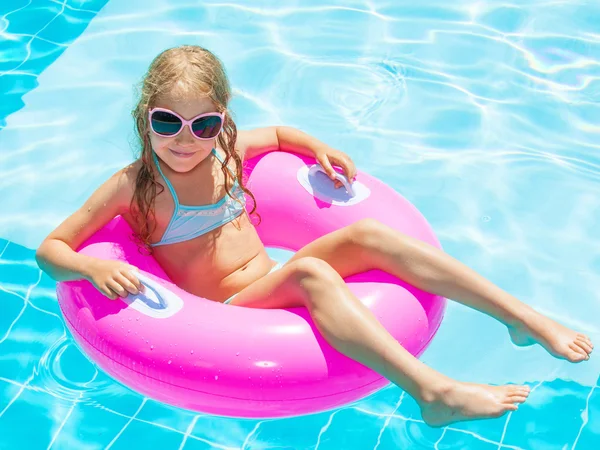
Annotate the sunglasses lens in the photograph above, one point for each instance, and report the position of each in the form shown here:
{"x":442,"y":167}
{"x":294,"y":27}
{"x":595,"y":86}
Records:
{"x":164,"y":123}
{"x":207,"y":127}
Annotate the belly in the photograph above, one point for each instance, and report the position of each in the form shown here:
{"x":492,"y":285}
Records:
{"x":219,"y":263}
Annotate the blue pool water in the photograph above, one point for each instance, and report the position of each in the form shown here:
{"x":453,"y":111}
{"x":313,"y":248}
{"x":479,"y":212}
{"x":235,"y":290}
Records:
{"x":485,"y":114}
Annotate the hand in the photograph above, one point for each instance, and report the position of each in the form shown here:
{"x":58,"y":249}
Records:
{"x":331,"y":157}
{"x":114,"y":278}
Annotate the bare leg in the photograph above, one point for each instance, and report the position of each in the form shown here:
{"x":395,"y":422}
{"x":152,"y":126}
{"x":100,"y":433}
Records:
{"x":369,"y":244}
{"x":353,"y":330}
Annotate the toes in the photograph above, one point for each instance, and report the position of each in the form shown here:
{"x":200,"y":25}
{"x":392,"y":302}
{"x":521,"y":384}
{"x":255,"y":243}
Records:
{"x":510,"y":407}
{"x":524,"y":393}
{"x":584,"y":345}
{"x":585,"y":339}
{"x":577,"y":354}
{"x":576,"y":347}
{"x":518,"y":394}
{"x":519,"y":390}
{"x":520,"y":398}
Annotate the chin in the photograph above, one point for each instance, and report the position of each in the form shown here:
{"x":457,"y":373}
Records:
{"x":182,"y":164}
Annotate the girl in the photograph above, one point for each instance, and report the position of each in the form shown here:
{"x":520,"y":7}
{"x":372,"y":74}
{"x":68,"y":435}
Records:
{"x":192,"y":156}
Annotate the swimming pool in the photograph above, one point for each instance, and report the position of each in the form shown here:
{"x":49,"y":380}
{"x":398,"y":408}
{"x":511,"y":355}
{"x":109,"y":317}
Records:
{"x":484,"y":114}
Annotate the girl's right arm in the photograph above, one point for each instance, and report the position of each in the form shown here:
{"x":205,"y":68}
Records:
{"x":57,"y":256}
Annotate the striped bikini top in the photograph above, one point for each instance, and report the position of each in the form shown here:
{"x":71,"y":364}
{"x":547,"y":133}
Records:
{"x":189,"y":222}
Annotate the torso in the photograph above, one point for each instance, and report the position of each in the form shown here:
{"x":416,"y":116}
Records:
{"x":217,"y":264}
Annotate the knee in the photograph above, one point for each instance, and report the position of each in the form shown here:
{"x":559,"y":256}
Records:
{"x":368,"y":232}
{"x":314,"y":281}
{"x":314,"y":269}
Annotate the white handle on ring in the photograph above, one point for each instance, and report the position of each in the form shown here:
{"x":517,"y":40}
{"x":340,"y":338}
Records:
{"x":156,"y":301}
{"x":150,"y":284}
{"x":341,"y":177}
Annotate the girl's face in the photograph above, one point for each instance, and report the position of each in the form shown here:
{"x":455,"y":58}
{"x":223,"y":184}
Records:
{"x":183,"y":152}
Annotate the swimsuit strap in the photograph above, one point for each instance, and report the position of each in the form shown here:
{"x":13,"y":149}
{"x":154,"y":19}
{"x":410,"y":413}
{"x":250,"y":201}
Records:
{"x":170,"y":186}
{"x":167,"y":182}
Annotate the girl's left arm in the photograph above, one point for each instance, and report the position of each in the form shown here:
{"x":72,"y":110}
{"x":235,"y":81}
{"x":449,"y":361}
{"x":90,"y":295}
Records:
{"x":251,"y":143}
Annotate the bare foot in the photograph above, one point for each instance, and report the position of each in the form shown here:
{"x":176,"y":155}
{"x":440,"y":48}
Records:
{"x":468,"y":401}
{"x":559,"y":340}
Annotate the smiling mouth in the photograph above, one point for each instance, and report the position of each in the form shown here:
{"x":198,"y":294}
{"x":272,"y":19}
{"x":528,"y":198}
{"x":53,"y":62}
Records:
{"x":181,"y":154}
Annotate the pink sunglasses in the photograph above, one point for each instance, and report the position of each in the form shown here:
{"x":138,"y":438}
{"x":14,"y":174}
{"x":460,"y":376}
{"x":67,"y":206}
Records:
{"x":166,"y":123}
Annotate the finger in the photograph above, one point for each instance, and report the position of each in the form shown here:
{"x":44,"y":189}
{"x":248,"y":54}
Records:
{"x":345,"y":162}
{"x":348,"y":168}
{"x":131,"y":276}
{"x":108,"y":293}
{"x":352,"y":171}
{"x":124,"y":281}
{"x":324,"y":161}
{"x":117,"y":288}
{"x":346,"y":173}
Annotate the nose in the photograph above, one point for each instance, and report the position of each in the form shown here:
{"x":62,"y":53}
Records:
{"x":185,"y":138}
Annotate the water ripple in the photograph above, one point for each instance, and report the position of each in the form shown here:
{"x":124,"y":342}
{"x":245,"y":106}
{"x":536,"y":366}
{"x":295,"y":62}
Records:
{"x":64,"y":372}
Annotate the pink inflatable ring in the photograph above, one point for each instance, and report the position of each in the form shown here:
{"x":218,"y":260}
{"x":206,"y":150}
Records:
{"x":246,"y":362}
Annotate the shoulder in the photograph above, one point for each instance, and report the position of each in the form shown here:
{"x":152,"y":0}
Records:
{"x":120,"y":187}
{"x":110,"y":199}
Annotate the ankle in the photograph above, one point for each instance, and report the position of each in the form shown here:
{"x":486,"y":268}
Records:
{"x":526,"y":318}
{"x":434,"y":392}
